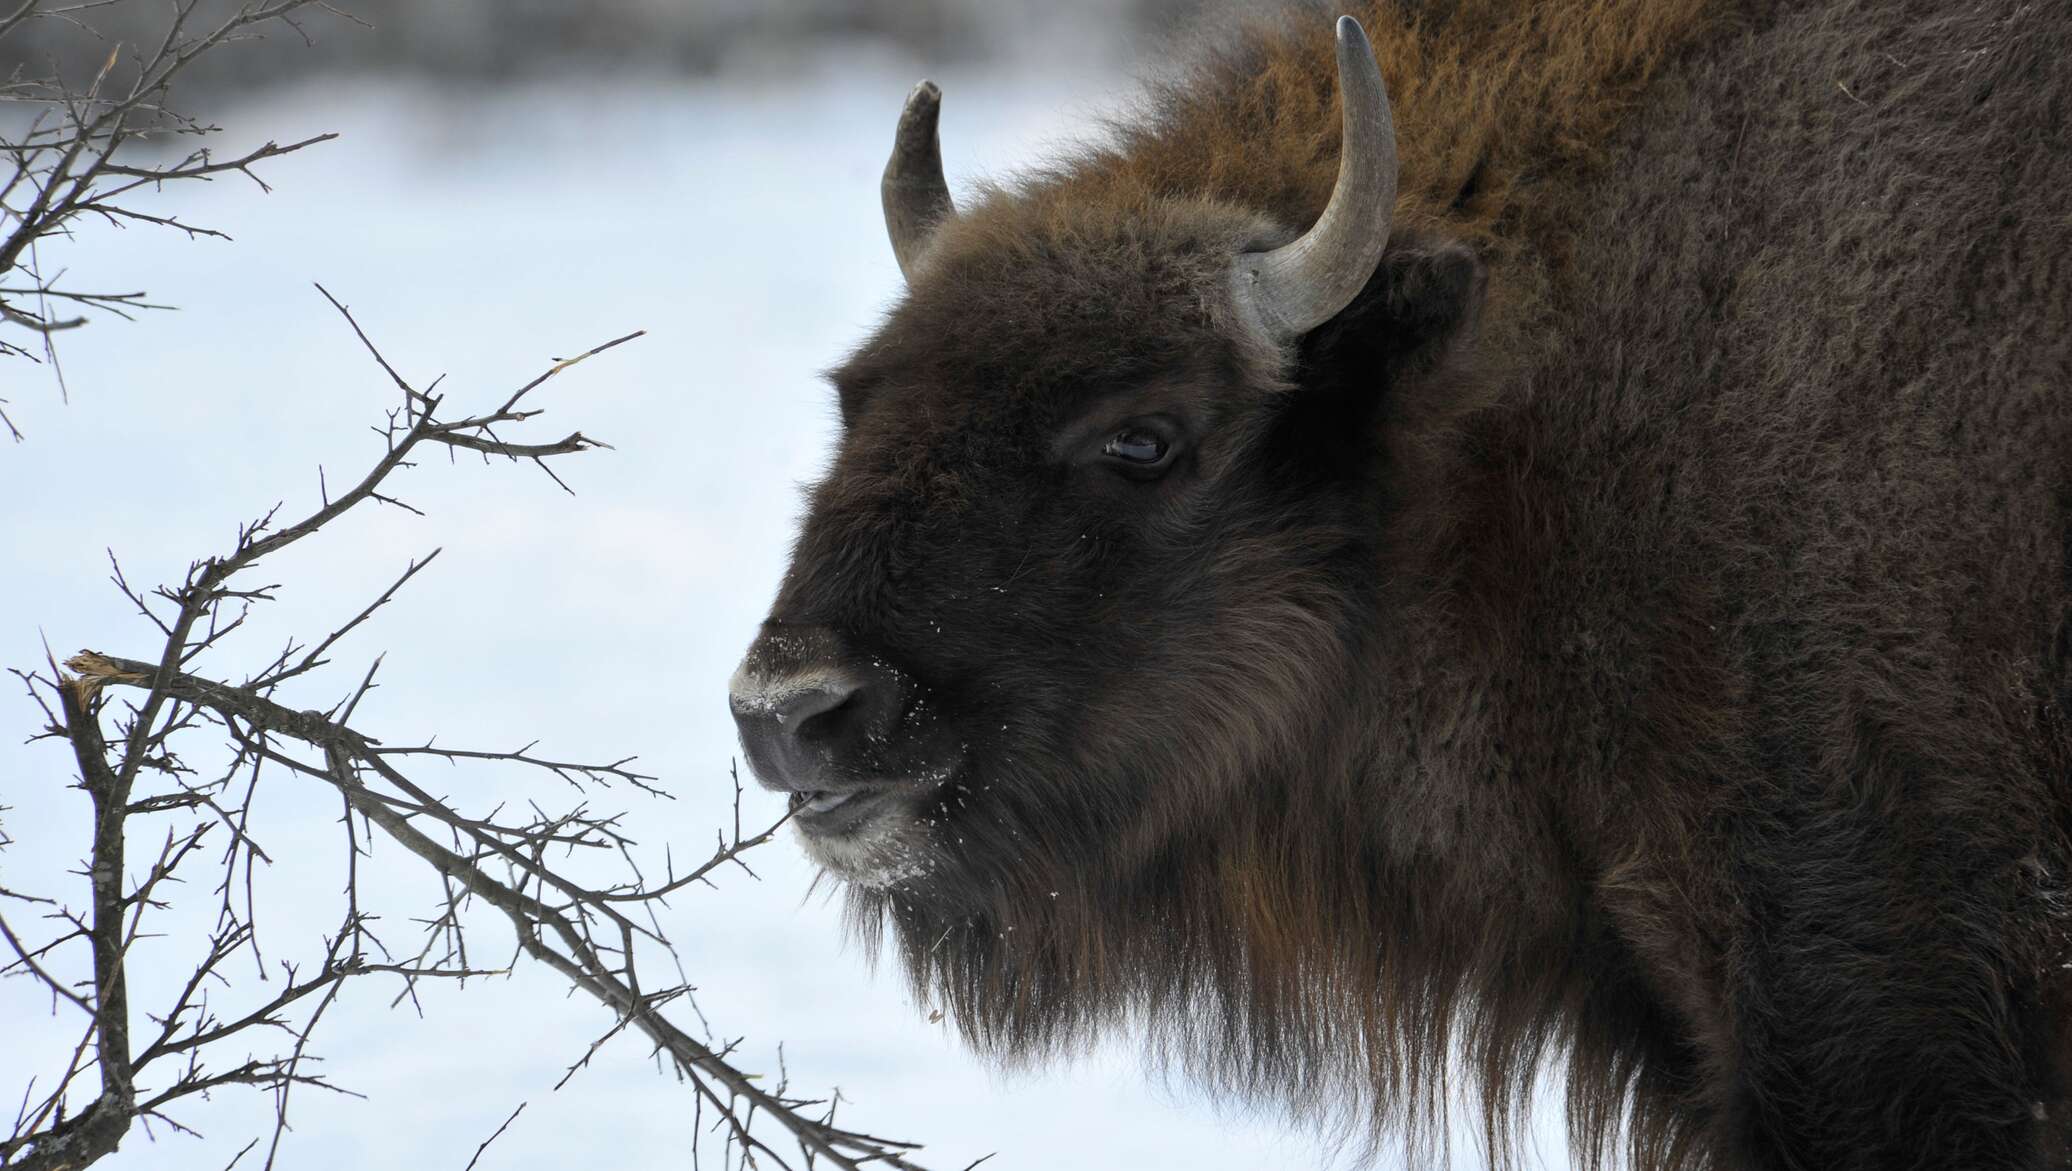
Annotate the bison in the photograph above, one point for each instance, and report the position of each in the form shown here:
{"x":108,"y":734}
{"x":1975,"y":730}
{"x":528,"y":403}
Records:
{"x":1560,"y":555}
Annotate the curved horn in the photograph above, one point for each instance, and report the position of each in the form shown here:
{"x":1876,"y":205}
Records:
{"x":1301,"y":285}
{"x":915,"y":196}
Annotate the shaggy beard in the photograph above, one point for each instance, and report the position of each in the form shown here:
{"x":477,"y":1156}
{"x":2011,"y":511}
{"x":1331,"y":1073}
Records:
{"x":989,"y":914}
{"x":1265,"y":974}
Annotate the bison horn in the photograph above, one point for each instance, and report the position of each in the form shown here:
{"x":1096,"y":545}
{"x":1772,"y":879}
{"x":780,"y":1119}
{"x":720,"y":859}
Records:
{"x":916,"y":199}
{"x":1301,"y":285}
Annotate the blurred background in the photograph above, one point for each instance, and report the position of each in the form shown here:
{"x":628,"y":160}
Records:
{"x":509,"y":42}
{"x":515,"y":181}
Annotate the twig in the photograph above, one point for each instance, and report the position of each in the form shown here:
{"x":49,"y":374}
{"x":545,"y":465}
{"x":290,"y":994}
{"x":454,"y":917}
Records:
{"x":72,"y":161}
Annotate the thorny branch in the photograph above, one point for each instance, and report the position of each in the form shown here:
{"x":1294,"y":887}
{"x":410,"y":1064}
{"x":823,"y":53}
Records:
{"x":68,"y":153}
{"x":593,"y":933}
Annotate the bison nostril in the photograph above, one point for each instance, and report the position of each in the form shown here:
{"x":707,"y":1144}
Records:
{"x":829,"y":723}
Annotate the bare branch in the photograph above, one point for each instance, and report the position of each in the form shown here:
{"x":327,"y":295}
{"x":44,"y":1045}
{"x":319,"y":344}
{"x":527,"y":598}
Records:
{"x":74,"y":160}
{"x":593,"y":934}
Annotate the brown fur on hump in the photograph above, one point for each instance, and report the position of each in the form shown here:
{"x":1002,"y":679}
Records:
{"x":1500,"y":105}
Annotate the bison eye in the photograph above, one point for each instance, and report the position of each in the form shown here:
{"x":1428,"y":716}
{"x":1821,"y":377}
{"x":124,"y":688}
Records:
{"x":1136,"y":445}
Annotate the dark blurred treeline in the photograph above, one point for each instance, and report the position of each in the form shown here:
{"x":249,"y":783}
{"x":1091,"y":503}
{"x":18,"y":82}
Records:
{"x":501,"y":40}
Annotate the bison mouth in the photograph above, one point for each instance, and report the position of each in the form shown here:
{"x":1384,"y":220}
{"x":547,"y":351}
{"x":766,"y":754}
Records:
{"x":875,"y":835}
{"x":827,"y":811}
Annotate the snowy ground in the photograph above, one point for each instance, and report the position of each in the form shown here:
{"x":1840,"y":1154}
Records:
{"x":737,"y":221}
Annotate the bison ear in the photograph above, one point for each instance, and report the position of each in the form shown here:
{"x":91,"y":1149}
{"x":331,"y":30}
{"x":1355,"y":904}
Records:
{"x":1417,"y":309}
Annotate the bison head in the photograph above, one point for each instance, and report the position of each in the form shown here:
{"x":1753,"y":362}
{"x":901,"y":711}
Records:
{"x":1095,"y":570}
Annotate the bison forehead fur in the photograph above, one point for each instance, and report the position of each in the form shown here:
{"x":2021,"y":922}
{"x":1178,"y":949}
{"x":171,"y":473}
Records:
{"x":1635,"y":630}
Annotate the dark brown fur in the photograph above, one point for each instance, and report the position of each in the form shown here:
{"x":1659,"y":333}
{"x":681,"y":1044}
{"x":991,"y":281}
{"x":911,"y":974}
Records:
{"x":1634,"y":633}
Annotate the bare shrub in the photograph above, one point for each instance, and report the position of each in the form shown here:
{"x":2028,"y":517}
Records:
{"x":156,"y":823}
